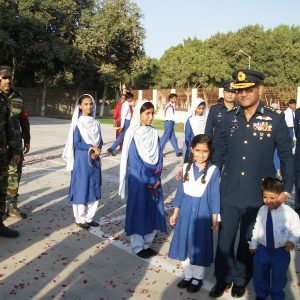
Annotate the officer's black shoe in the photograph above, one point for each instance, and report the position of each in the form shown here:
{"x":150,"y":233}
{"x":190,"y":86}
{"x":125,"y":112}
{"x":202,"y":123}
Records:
{"x":111,"y":151}
{"x":184,"y":283}
{"x":179,"y":154}
{"x":143,"y":254}
{"x":238,"y":291}
{"x":194,"y":286}
{"x":83,"y":225}
{"x":93,"y":224}
{"x":260,"y":298}
{"x":6,"y":232}
{"x":14,"y":211}
{"x":151,"y":252}
{"x":219,"y":288}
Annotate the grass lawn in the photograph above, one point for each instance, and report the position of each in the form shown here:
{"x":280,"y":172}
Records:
{"x":158,"y":124}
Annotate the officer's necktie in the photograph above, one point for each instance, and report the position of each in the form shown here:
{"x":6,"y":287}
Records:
{"x":269,"y":232}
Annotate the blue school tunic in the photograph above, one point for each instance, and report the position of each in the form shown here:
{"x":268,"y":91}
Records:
{"x":188,"y":137}
{"x":86,"y":180}
{"x":145,"y":207}
{"x":193,"y":236}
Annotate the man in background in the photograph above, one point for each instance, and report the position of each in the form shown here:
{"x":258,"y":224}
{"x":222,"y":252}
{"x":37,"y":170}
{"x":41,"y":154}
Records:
{"x":290,"y":116}
{"x":8,"y":144}
{"x":20,"y":122}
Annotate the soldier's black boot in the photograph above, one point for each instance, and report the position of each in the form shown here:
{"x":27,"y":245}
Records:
{"x":6,"y":232}
{"x":14,"y":211}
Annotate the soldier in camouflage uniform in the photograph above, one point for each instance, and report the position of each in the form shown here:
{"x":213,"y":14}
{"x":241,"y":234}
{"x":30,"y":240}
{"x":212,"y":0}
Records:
{"x":8,"y":143}
{"x":20,"y":122}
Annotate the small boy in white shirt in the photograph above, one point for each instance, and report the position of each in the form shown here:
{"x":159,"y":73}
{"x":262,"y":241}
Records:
{"x":276,"y":231}
{"x":169,"y":132}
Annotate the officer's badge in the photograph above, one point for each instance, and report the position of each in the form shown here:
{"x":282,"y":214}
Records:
{"x":263,"y":117}
{"x":241,"y":76}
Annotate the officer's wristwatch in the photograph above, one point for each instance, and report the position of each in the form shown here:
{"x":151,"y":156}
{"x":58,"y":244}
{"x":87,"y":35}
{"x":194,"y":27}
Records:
{"x":288,"y":194}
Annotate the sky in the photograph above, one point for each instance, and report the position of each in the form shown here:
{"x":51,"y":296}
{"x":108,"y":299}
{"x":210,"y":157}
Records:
{"x":168,"y":22}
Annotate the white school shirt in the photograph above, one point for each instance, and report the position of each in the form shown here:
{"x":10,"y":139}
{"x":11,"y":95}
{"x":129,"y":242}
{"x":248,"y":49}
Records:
{"x":286,"y":226}
{"x":125,"y":113}
{"x":194,"y":187}
{"x":170,"y":112}
{"x":289,"y":117}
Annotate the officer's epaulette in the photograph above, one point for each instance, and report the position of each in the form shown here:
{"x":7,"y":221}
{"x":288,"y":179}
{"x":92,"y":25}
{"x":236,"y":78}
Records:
{"x":272,"y":109}
{"x":216,"y":104}
{"x":234,"y":109}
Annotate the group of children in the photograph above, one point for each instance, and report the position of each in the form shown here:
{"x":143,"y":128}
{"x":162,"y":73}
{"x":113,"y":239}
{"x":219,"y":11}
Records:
{"x":196,"y":204}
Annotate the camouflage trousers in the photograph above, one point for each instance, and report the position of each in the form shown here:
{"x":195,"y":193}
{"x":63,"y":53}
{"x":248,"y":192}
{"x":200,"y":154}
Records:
{"x":14,"y":177}
{"x":3,"y":183}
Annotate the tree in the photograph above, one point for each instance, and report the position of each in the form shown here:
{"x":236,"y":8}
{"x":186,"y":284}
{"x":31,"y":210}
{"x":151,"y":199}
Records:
{"x":113,"y":35}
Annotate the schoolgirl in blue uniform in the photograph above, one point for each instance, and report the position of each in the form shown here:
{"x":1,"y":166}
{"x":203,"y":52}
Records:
{"x":140,"y":183}
{"x":195,"y":124}
{"x":197,"y":205}
{"x":82,"y":153}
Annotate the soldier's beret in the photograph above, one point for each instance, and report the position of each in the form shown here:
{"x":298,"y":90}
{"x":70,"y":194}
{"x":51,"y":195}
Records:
{"x":245,"y":78}
{"x":5,"y":71}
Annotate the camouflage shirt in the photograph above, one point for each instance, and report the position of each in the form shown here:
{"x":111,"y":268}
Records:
{"x":8,"y":139}
{"x":18,"y":116}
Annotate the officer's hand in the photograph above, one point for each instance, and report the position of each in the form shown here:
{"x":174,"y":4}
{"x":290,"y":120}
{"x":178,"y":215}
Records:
{"x":289,"y":246}
{"x":283,"y":197}
{"x":26,"y":148}
{"x":15,"y":159}
{"x":252,"y":250}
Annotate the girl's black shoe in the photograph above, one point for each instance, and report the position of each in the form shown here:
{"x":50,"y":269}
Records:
{"x":193,"y":286}
{"x":184,"y":283}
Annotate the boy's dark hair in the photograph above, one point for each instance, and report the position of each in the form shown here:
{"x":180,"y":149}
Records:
{"x":272,"y":185}
{"x":129,"y":95}
{"x":292,"y":101}
{"x":172,"y":95}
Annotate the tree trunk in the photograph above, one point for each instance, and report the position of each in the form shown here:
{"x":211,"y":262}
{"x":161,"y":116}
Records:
{"x":103,"y":100}
{"x":44,"y":95}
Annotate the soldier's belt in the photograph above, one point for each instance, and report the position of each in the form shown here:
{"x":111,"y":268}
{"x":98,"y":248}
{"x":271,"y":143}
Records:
{"x":3,"y":150}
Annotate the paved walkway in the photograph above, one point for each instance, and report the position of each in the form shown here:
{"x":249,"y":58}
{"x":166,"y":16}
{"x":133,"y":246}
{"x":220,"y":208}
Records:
{"x":54,"y":259}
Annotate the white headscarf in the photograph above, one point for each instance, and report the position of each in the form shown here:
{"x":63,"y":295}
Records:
{"x":193,"y":107}
{"x":197,"y":122}
{"x":146,"y":140}
{"x":89,"y":128}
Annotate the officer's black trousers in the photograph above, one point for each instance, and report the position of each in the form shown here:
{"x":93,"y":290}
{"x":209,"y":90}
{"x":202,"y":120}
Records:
{"x":297,"y":196}
{"x":231,"y":267}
